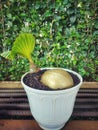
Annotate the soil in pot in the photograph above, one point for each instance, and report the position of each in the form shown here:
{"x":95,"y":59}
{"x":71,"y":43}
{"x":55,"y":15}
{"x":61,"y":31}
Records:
{"x":33,"y":80}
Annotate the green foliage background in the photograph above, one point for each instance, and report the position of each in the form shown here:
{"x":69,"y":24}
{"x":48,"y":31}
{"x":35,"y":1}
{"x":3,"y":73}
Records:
{"x":66,"y":35}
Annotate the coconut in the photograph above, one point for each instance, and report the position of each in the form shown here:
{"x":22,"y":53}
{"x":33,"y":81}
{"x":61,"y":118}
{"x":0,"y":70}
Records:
{"x":57,"y":79}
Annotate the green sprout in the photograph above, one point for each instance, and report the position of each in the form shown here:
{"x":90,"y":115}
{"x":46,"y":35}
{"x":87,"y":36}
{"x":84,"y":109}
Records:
{"x":23,"y":46}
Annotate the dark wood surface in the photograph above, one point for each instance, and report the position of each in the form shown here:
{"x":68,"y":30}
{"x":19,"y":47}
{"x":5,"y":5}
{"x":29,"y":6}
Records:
{"x":32,"y":125}
{"x":14,"y":103}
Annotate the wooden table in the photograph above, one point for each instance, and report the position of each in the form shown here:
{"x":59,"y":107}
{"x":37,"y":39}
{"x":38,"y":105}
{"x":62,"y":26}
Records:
{"x":15,"y":113}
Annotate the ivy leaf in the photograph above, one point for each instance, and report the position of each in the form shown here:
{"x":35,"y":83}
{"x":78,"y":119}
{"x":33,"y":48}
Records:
{"x":65,"y":1}
{"x":95,"y":33}
{"x":57,"y":17}
{"x":24,"y":45}
{"x":72,"y":19}
{"x":67,"y":32}
{"x":96,"y":24}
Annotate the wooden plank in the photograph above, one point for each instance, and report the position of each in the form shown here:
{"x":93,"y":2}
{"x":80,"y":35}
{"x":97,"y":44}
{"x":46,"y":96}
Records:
{"x":10,"y":84}
{"x":81,"y":125}
{"x":86,"y":100}
{"x":15,"y":100}
{"x":12,"y":95}
{"x":17,"y":84}
{"x":85,"y":113}
{"x":19,"y":125}
{"x":15,"y":113}
{"x":89,"y":85}
{"x":32,"y":125}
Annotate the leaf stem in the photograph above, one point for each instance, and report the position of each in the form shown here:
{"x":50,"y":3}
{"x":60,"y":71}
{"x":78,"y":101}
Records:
{"x":33,"y":67}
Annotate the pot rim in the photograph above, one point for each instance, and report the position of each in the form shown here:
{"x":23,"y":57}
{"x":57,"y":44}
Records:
{"x":54,"y":91}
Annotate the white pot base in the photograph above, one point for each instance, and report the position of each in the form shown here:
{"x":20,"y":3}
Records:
{"x":57,"y":127}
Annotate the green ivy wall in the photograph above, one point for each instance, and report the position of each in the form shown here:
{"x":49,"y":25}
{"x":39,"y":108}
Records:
{"x":66,"y":34}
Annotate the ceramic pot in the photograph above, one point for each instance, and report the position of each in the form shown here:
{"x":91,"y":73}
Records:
{"x":52,"y":109}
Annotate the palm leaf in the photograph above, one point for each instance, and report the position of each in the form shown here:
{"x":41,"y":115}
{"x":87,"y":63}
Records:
{"x":8,"y":55}
{"x":24,"y":45}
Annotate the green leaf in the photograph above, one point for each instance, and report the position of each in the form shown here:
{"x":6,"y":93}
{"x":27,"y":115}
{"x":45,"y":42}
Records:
{"x":67,"y":31}
{"x":65,"y":1}
{"x":96,"y":24}
{"x":73,"y":19}
{"x":24,"y":45}
{"x":95,"y":33}
{"x":57,"y":17}
{"x":7,"y":55}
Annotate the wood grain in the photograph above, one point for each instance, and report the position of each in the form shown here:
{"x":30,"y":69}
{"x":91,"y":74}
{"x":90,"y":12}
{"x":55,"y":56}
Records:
{"x":32,"y":125}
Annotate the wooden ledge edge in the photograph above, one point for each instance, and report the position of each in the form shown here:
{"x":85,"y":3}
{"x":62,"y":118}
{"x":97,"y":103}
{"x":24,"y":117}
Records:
{"x":17,"y":84}
{"x":10,"y":84}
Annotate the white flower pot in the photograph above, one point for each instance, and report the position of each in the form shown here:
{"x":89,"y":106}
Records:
{"x":52,"y":109}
